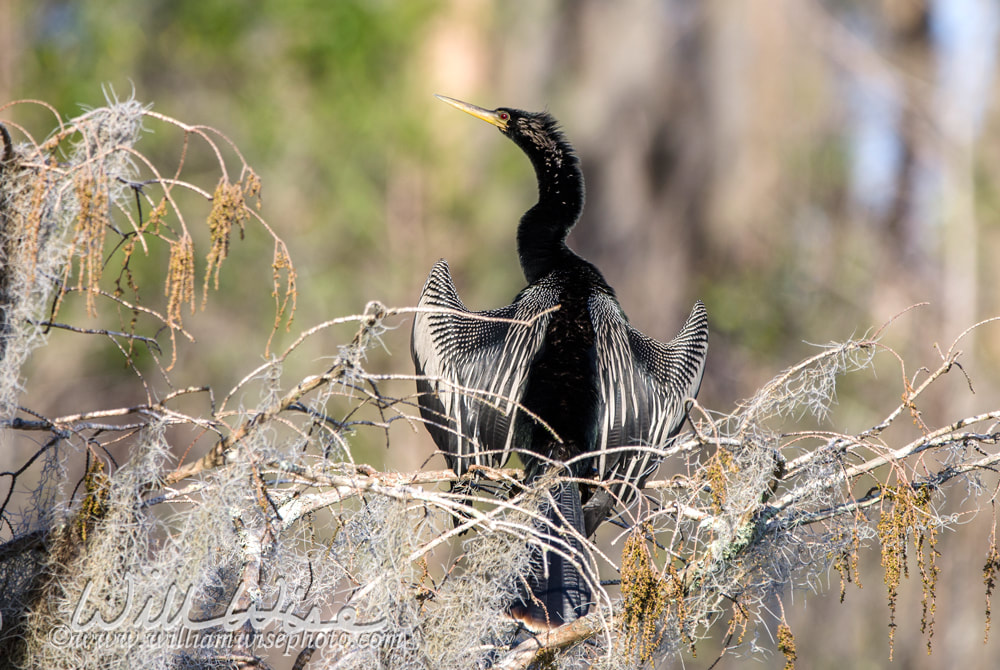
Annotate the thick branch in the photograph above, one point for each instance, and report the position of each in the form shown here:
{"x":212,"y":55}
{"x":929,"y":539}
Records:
{"x":523,"y":655}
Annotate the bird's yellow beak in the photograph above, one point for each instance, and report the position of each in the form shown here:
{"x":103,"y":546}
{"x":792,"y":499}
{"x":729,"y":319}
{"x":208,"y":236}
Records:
{"x":487,"y":115}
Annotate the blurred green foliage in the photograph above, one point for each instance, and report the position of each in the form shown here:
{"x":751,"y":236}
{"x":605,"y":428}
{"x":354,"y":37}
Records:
{"x":319,"y":93}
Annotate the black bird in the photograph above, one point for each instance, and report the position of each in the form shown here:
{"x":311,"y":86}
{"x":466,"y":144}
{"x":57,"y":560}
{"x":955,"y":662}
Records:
{"x":556,"y":376}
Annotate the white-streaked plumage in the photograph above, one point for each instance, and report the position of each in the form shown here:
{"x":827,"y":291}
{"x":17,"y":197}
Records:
{"x":476,"y":364}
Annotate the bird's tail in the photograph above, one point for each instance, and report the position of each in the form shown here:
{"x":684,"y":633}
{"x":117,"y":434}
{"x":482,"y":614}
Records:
{"x":555,"y":591}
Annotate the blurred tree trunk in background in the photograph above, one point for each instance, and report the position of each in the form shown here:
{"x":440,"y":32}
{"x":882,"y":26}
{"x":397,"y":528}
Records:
{"x":8,"y":50}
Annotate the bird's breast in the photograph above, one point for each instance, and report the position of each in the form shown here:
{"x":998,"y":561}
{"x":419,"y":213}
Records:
{"x":562,"y":387}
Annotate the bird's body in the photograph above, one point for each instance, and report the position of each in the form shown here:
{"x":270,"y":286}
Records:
{"x":559,"y":375}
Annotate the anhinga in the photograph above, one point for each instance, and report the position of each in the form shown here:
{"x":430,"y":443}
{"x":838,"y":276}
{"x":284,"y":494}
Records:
{"x":556,"y":375}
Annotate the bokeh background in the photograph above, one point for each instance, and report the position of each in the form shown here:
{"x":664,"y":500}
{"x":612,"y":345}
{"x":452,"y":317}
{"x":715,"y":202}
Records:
{"x":810,"y":169}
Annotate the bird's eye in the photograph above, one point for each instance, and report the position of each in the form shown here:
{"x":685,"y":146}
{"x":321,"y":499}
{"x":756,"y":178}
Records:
{"x":504,"y":116}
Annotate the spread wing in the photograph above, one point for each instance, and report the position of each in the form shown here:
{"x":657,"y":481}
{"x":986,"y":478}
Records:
{"x":472,"y":368}
{"x":643,"y":385}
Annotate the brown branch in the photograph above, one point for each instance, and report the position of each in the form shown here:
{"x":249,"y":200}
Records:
{"x":523,"y":655}
{"x":216,"y":456}
{"x":152,"y":343}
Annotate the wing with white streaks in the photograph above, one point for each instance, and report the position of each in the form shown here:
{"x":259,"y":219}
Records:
{"x":643,"y":386}
{"x":473,"y":367}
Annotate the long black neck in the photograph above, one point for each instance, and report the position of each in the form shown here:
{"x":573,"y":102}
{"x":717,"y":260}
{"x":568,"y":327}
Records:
{"x":541,"y":236}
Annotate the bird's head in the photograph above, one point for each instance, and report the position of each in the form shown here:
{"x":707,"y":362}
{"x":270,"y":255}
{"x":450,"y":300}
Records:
{"x":532,"y":131}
